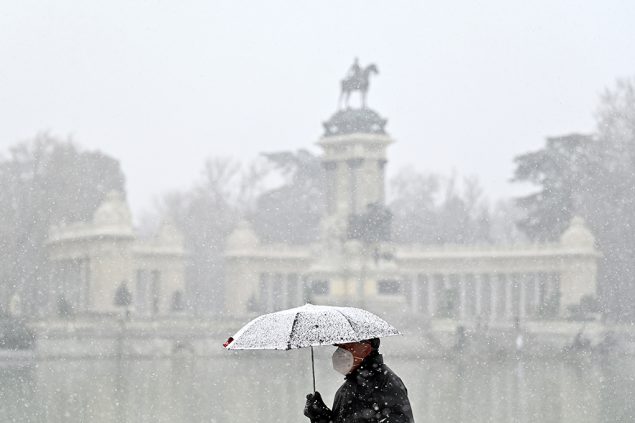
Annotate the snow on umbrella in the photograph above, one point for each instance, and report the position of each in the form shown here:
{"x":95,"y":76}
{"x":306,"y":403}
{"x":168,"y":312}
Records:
{"x":309,"y":326}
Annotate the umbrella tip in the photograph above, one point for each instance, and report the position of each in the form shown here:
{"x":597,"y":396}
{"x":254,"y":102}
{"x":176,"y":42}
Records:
{"x":229,"y":341}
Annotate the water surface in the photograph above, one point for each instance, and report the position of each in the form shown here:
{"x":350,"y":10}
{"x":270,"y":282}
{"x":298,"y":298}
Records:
{"x":270,"y":387}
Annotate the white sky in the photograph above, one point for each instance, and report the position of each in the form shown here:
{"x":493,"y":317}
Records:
{"x":161,"y":85}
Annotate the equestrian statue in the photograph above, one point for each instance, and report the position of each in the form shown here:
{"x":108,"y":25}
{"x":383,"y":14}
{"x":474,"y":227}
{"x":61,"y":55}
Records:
{"x":357,"y":79}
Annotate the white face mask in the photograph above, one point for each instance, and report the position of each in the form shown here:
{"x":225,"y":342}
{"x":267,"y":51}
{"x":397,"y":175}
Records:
{"x":343,"y":361}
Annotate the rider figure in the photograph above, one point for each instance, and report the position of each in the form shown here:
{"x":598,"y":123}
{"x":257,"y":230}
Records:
{"x":354,"y":71}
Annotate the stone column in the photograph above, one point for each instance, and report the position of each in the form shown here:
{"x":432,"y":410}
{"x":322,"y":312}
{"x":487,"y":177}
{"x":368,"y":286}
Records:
{"x":330,"y":168}
{"x":414,"y":292}
{"x":462,"y":295}
{"x":493,"y":308}
{"x":381,"y":165}
{"x":290,"y":293}
{"x":479,"y":294}
{"x":423,"y":294}
{"x":495,"y":397}
{"x":354,"y":166}
{"x":509,"y":303}
{"x":85,"y":285}
{"x":432,"y":297}
{"x":273,"y":277}
{"x":268,"y":292}
{"x":299,"y":289}
{"x":537,"y":283}
{"x":273,"y":282}
{"x":522,"y":301}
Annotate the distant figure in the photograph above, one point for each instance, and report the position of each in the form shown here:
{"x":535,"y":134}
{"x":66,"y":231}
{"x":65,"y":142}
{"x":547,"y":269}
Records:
{"x":371,"y":392}
{"x":123,"y":298}
{"x":355,"y":70}
{"x":580,"y":342}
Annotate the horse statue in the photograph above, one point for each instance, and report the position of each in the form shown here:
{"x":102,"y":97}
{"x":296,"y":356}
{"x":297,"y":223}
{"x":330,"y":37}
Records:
{"x":357,"y":80}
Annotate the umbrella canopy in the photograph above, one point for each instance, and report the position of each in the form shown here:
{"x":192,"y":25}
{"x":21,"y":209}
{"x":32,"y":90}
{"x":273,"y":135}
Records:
{"x":308,"y":326}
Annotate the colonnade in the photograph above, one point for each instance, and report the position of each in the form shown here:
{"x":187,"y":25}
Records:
{"x":277,"y":291}
{"x":147,"y":291}
{"x":70,"y":280}
{"x":491,"y":296}
{"x":465,"y":296}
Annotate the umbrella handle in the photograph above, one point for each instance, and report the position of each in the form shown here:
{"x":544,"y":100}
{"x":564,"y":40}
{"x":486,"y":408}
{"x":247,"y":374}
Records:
{"x":313,"y":368}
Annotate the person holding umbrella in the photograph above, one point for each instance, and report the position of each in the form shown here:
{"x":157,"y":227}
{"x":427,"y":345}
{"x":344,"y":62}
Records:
{"x":371,"y":392}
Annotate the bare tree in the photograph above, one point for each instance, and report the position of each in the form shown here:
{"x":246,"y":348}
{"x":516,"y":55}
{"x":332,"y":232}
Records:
{"x":431,"y":209}
{"x":206,"y":214}
{"x":45,"y":181}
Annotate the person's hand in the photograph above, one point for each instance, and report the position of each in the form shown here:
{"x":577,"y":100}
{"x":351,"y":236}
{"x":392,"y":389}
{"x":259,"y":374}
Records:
{"x":315,"y":409}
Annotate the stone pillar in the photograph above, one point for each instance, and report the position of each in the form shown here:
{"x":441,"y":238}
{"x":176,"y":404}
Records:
{"x":509,"y":303}
{"x":423,"y":294}
{"x":494,"y":290}
{"x":269,"y":291}
{"x":381,"y":165}
{"x":432,"y":296}
{"x":479,"y":294}
{"x":495,"y":397}
{"x":461,"y":285}
{"x":285,"y":301}
{"x":280,"y":291}
{"x":330,"y":169}
{"x":85,"y":285}
{"x":522,"y":301}
{"x":356,"y":188}
{"x":293,"y":290}
{"x":537,"y":304}
{"x":414,"y":292}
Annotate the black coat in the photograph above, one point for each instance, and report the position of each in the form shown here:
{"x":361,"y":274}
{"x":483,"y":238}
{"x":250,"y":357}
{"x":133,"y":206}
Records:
{"x":372,"y":393}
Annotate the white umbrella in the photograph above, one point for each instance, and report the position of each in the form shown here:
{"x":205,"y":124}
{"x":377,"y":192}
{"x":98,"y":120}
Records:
{"x":309,"y":326}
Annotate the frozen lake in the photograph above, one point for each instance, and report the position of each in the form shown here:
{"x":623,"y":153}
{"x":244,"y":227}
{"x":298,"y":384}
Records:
{"x":270,"y":387}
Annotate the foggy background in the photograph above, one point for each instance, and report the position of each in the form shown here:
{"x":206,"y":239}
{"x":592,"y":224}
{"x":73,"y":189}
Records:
{"x":161,"y":85}
{"x":174,"y":103}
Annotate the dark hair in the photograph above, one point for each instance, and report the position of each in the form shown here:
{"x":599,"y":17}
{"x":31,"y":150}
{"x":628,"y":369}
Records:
{"x":373,"y":343}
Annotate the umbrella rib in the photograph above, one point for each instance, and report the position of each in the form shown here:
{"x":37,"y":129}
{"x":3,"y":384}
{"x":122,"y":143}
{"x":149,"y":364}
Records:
{"x":295,"y":320}
{"x":347,"y":321}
